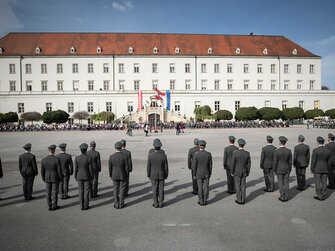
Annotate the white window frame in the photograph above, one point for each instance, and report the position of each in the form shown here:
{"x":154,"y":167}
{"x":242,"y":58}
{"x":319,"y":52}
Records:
{"x":48,"y":107}
{"x":172,"y":85}
{"x":20,"y":107}
{"x":216,"y":84}
{"x":90,"y":85}
{"x":44,"y":69}
{"x":121,"y":67}
{"x":90,"y":107}
{"x":75,"y":85}
{"x":28,"y":68}
{"x":187,"y":68}
{"x":70,"y":107}
{"x":59,"y":68}
{"x":109,"y":106}
{"x":59,"y":85}
{"x":12,"y":86}
{"x":172,"y":68}
{"x":75,"y":68}
{"x":216,"y":105}
{"x":44,"y":85}
{"x":105,"y":68}
{"x":136,"y":67}
{"x":136,"y":84}
{"x":106,"y":85}
{"x":216,"y":68}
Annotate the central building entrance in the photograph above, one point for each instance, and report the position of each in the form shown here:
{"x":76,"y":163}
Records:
{"x":151,"y":118}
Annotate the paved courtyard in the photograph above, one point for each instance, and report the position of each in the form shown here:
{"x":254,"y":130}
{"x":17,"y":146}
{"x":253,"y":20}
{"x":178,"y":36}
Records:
{"x":263,"y":223}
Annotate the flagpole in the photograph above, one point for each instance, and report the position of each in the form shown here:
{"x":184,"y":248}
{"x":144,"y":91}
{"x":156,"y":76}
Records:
{"x":155,"y":116}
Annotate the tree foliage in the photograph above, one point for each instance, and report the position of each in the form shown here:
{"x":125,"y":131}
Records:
{"x":270,"y":113}
{"x":58,"y":116}
{"x":311,"y":114}
{"x":103,"y":116}
{"x":330,"y":113}
{"x":81,"y":115}
{"x":247,"y":113}
{"x":203,"y":112}
{"x":293,"y":113}
{"x":9,"y":117}
{"x":31,"y":116}
{"x":223,"y":115}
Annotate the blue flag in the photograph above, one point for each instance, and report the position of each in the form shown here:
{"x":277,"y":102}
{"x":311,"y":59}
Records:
{"x":168,"y":100}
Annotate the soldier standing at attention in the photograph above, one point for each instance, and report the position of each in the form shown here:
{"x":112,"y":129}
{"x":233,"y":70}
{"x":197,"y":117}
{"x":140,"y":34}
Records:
{"x":95,"y":156}
{"x":28,"y":171}
{"x":191,"y":153}
{"x":83,"y":174}
{"x":320,"y":165}
{"x":51,"y":175}
{"x":157,"y":172}
{"x":266,"y":164}
{"x":331,"y":174}
{"x":127,"y":155}
{"x":228,"y":152}
{"x":240,"y":169}
{"x":282,"y":166}
{"x":1,"y":173}
{"x":202,"y":171}
{"x":301,"y":159}
{"x":118,"y":172}
{"x":66,"y":169}
{"x":156,"y":141}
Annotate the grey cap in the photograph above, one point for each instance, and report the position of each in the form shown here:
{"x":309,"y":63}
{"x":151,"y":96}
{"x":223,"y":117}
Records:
{"x":118,"y":145}
{"x":27,"y":146}
{"x":282,"y":139}
{"x":83,"y":146}
{"x":331,"y":136}
{"x":241,"y":142}
{"x":320,"y":139}
{"x":301,"y":137}
{"x":231,"y":138}
{"x":52,"y":147}
{"x":123,"y":142}
{"x":92,"y":143}
{"x":63,"y":145}
{"x":196,"y":141}
{"x":202,"y":143}
{"x":157,"y":143}
{"x":269,"y":137}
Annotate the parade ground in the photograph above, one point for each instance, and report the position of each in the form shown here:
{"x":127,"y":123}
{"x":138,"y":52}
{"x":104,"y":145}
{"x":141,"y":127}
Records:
{"x":263,"y":223}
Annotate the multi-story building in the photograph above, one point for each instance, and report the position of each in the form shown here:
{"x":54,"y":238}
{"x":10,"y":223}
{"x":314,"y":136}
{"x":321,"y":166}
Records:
{"x":97,"y":72}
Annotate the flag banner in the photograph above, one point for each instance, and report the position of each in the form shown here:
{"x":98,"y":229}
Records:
{"x":168,"y":100}
{"x":140,"y":100}
{"x":159,"y":94}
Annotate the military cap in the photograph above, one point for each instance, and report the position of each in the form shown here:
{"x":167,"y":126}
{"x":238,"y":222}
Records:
{"x":202,"y":143}
{"x":118,"y":145}
{"x":27,"y":146}
{"x":301,"y":137}
{"x":63,"y":145}
{"x":283,"y":139}
{"x":231,"y":138}
{"x":269,"y":137}
{"x":157,"y":143}
{"x":331,"y":136}
{"x":241,"y":142}
{"x":196,"y":141}
{"x":92,"y":143}
{"x":123,"y":142}
{"x":83,"y":146}
{"x":320,"y":139}
{"x":52,"y":147}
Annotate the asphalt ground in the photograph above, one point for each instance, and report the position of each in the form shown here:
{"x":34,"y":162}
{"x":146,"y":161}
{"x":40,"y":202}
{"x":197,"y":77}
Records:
{"x":263,"y":223}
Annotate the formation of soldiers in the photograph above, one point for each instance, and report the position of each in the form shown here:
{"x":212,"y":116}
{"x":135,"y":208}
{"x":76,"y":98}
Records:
{"x":57,"y":169}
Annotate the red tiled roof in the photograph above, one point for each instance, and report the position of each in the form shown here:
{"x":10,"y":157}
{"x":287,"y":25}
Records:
{"x":143,"y":43}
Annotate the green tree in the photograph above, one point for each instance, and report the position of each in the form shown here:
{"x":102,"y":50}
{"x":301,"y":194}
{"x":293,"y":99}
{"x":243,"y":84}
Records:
{"x":47,"y":117}
{"x":81,"y":115}
{"x":203,"y":112}
{"x":103,"y":116}
{"x":330,"y":113}
{"x":293,"y":113}
{"x":10,"y":117}
{"x":223,"y":115}
{"x":247,"y":113}
{"x":1,"y":118}
{"x":58,"y":116}
{"x":270,"y":113}
{"x":311,"y":114}
{"x":31,"y":116}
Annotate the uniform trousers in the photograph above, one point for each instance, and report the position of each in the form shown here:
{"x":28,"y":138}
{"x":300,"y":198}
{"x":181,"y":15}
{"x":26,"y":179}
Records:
{"x":283,"y":183}
{"x":230,"y":181}
{"x":126,"y":189}
{"x":269,"y":178}
{"x":28,"y":182}
{"x":240,"y":184}
{"x":84,"y":192}
{"x":64,"y":186}
{"x":94,"y":184}
{"x":52,"y":194}
{"x":320,"y":184}
{"x":158,"y":191}
{"x":203,"y":189}
{"x":301,"y":177}
{"x":194,"y":185}
{"x":331,"y":177}
{"x":119,"y":187}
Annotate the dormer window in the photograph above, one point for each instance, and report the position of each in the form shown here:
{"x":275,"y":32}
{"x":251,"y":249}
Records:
{"x":130,"y":50}
{"x":37,"y":50}
{"x":1,"y":50}
{"x":265,"y":51}
{"x":295,"y":52}
{"x":238,"y":51}
{"x":72,"y":50}
{"x":155,"y":50}
{"x":99,"y":49}
{"x":209,"y":50}
{"x":177,"y":50}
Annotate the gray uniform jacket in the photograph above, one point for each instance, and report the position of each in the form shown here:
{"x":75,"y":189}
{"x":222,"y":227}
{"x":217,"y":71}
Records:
{"x":227,"y":154}
{"x":282,"y":161}
{"x":321,"y":160}
{"x":202,"y":164}
{"x":157,"y":166}
{"x":95,"y":160}
{"x":240,"y":163}
{"x":331,"y":147}
{"x":27,"y":164}
{"x":51,"y":169}
{"x":191,"y":153}
{"x":153,"y":150}
{"x":301,"y":155}
{"x":66,"y":164}
{"x":127,"y":155}
{"x":84,"y":167}
{"x":118,"y":166}
{"x":267,"y":156}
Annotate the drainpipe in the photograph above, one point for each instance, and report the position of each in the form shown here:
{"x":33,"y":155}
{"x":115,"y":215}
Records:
{"x":196,"y":72}
{"x":113,"y":72}
{"x":279,"y":72}
{"x":21,"y":72}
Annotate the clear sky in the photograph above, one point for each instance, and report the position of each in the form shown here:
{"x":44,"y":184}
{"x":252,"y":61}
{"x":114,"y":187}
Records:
{"x":310,"y":23}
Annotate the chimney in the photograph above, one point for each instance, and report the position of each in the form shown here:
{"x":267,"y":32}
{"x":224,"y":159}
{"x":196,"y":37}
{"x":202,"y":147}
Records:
{"x":251,"y":33}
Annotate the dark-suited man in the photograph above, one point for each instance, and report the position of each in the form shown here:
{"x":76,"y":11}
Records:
{"x":227,"y":155}
{"x":51,"y":175}
{"x":301,"y":157}
{"x":282,"y":166}
{"x":83,"y":174}
{"x":66,"y":164}
{"x":191,"y":153}
{"x":331,"y":173}
{"x":240,"y":169}
{"x":153,"y":149}
{"x":1,"y":172}
{"x":118,"y":172}
{"x":28,"y":171}
{"x":320,"y":165}
{"x":95,"y":156}
{"x":266,"y":164}
{"x":202,"y":171}
{"x":127,"y":155}
{"x":157,"y":172}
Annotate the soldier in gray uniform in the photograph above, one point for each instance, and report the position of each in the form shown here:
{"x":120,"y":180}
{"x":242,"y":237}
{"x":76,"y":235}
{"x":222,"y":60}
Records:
{"x":127,"y":155}
{"x":301,"y":159}
{"x":228,"y":153}
{"x":95,"y":156}
{"x":153,"y":149}
{"x":1,"y":173}
{"x":320,"y":165}
{"x":83,"y":174}
{"x":266,"y":164}
{"x":28,"y":171}
{"x":282,"y":166}
{"x":331,"y":174}
{"x":191,"y":153}
{"x":157,"y":172}
{"x":51,"y":174}
{"x":66,"y":164}
{"x":202,"y":171}
{"x":240,"y":169}
{"x":118,"y":172}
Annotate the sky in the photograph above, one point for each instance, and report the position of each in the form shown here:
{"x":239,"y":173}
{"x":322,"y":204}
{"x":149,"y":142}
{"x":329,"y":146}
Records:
{"x":309,"y":23}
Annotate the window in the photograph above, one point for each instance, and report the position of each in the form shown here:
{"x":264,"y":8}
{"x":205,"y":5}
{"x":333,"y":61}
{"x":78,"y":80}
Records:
{"x":187,"y":84}
{"x":203,"y":68}
{"x":216,"y":84}
{"x":48,"y":107}
{"x":90,"y":85}
{"x":43,"y":68}
{"x":74,"y":68}
{"x":172,"y":68}
{"x":267,"y":103}
{"x":187,"y":68}
{"x":12,"y":86}
{"x":106,"y":85}
{"x":59,"y":68}
{"x":70,"y":107}
{"x":230,"y":84}
{"x":44,"y":85}
{"x":311,"y":69}
{"x":154,"y":84}
{"x":60,"y":85}
{"x":177,"y":106}
{"x":229,"y":68}
{"x":197,"y":104}
{"x":246,"y":84}
{"x":237,"y":105}
{"x":273,"y":85}
{"x":203,"y":84}
{"x":311,"y":85}
{"x":109,"y":106}
{"x":136,"y":67}
{"x":216,"y":105}
{"x":75,"y":85}
{"x":284,"y":104}
{"x":90,"y":106}
{"x":106,"y":68}
{"x":11,"y":68}
{"x":121,"y":84}
{"x":121,"y":68}
{"x":299,"y":71}
{"x":299,"y":85}
{"x":29,"y":86}
{"x":286,"y":85}
{"x":136,"y":85}
{"x":216,"y":68}
{"x":155,"y":50}
{"x":70,"y":121}
{"x":172,"y":84}
{"x":130,"y":106}
{"x":130,"y":50}
{"x":301,"y":104}
{"x":273,"y":68}
{"x":90,"y":68}
{"x":259,"y":85}
{"x":285,"y":68}
{"x":154,"y":68}
{"x":20,"y":107}
{"x":28,"y":68}
{"x":246,"y":68}
{"x":316,"y":104}
{"x":259,"y":68}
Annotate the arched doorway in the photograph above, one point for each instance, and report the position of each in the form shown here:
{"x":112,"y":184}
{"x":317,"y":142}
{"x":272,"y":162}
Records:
{"x":151,"y":118}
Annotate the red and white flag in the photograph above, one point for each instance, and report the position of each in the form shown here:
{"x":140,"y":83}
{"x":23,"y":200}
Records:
{"x":159,"y":94}
{"x":140,"y":100}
